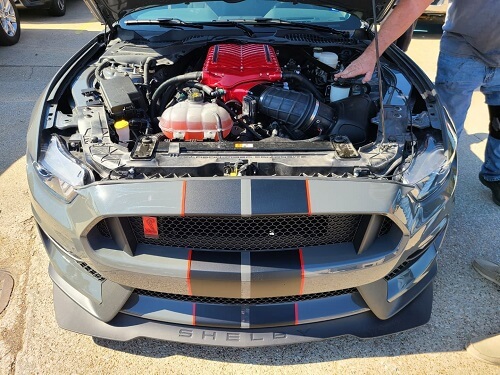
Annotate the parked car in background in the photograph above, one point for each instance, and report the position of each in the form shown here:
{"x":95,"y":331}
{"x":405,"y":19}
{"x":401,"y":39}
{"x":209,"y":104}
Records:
{"x":56,"y":8}
{"x":198,"y":175}
{"x":10,"y":25}
{"x":438,"y":8}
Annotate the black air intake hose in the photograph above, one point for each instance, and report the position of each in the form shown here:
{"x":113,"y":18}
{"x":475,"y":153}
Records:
{"x":304,"y":82}
{"x":193,"y":76}
{"x":200,"y":86}
{"x":148,"y":64}
{"x":100,"y":67}
{"x":303,"y":115}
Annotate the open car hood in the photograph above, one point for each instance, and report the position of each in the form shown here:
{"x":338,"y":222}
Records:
{"x":110,"y":11}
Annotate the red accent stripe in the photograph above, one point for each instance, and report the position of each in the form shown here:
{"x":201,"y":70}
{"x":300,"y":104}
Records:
{"x":309,"y":211}
{"x":194,"y":314}
{"x":302,"y":272}
{"x":183,"y":199}
{"x":296,"y":313}
{"x":188,"y":274}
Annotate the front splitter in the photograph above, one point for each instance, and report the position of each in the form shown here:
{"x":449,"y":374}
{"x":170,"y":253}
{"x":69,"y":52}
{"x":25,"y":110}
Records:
{"x":124,"y":327}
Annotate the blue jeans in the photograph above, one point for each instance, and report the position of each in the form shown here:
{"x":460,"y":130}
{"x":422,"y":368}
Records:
{"x":457,"y":78}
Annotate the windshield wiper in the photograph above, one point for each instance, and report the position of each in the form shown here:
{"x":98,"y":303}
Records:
{"x":311,"y":26}
{"x":175,"y":22}
{"x":238,"y":25}
{"x":164,"y":22}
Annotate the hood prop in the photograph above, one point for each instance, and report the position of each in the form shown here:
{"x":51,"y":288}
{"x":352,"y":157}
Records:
{"x":379,"y":74}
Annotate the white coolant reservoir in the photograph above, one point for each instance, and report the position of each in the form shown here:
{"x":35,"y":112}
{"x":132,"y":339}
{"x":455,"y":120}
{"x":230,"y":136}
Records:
{"x":195,"y":120}
{"x":329,"y":58}
{"x":338,"y":92}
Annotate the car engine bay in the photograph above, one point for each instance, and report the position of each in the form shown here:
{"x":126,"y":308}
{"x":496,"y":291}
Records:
{"x":236,"y":109}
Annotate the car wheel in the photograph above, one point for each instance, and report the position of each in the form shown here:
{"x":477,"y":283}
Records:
{"x":57,"y":8}
{"x":10,"y":26}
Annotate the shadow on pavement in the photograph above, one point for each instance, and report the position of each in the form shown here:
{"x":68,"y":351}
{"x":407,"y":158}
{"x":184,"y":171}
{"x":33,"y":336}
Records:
{"x":26,"y":68}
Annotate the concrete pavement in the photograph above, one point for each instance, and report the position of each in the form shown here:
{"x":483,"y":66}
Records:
{"x":465,"y":305}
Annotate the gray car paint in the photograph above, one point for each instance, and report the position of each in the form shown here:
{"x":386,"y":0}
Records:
{"x":68,"y":224}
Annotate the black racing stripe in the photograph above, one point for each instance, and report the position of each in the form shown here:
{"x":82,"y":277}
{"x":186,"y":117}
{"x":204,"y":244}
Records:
{"x":279,"y":197}
{"x":216,"y":274}
{"x":275,"y":272}
{"x":222,"y":197}
{"x":218,"y":316}
{"x":272,"y":315}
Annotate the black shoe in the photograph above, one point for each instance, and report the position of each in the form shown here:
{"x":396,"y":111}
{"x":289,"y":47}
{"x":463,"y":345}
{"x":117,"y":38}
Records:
{"x":494,"y":186}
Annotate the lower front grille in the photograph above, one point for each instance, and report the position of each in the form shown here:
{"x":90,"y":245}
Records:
{"x":245,"y":301}
{"x":249,"y":233}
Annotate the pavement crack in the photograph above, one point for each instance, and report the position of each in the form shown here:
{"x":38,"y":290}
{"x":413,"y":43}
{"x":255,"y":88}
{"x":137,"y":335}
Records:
{"x":28,"y":66}
{"x":30,"y":74}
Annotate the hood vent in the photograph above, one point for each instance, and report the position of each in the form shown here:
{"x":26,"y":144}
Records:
{"x":194,"y":37}
{"x":308,"y":38}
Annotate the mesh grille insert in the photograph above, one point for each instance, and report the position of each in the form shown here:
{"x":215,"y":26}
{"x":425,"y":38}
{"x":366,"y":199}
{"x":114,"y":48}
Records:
{"x":385,"y":227}
{"x":250,"y":233}
{"x":397,"y":271}
{"x":245,"y":301}
{"x":102,"y":227}
{"x":407,"y":263}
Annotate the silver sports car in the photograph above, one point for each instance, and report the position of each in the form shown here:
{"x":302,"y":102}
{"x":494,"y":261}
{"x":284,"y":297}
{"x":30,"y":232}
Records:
{"x":198,"y":175}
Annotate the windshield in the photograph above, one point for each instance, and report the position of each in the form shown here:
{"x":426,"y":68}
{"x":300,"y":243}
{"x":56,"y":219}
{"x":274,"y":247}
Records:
{"x":213,"y":11}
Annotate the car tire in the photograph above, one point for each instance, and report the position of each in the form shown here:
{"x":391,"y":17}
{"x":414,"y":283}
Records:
{"x":57,"y":8}
{"x":10,"y":25}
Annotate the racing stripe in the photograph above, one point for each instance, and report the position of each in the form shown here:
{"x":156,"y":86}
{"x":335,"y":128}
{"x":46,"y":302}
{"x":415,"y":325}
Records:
{"x":272,"y":315}
{"x":276,"y":273}
{"x":302,"y":272}
{"x":214,"y":197}
{"x":188,"y":273}
{"x":215,"y":274}
{"x":225,"y":316}
{"x":279,"y":197}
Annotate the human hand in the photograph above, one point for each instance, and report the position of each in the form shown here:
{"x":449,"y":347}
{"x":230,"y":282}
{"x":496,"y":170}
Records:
{"x":363,"y":65}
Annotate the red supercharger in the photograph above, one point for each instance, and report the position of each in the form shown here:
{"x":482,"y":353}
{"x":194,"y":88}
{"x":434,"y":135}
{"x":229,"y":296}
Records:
{"x":237,"y":68}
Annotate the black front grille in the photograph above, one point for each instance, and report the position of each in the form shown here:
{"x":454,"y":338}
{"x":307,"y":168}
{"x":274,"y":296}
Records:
{"x":245,"y":301}
{"x":250,"y":233}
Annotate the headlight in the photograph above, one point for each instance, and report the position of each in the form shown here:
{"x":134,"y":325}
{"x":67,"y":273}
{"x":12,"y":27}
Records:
{"x":429,"y":170}
{"x":60,"y":171}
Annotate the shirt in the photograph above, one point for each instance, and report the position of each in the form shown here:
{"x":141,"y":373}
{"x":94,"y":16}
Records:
{"x":472,"y":28}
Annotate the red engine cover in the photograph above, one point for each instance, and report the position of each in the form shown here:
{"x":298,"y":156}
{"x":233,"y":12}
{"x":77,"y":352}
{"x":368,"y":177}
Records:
{"x":237,"y":68}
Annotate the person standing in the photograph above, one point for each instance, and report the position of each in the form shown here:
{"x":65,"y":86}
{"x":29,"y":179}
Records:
{"x":469,"y":59}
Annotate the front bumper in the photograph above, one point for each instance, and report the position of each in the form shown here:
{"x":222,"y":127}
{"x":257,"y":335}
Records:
{"x":126,"y":327}
{"x":118,"y":288}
